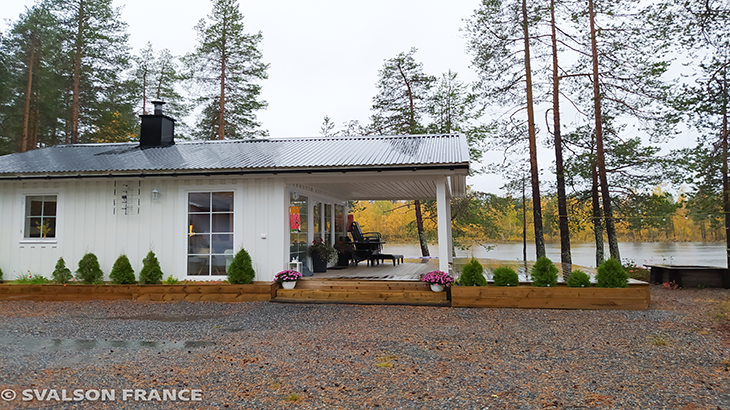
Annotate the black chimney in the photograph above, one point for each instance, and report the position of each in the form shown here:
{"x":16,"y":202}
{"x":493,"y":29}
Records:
{"x":158,"y":130}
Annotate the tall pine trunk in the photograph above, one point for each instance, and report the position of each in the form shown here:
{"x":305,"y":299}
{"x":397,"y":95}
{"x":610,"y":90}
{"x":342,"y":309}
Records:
{"x":597,"y":217}
{"x":725,"y":176}
{"x":77,"y":77}
{"x":25,"y":143}
{"x":534,"y":171}
{"x":222,"y":100}
{"x":565,"y":257}
{"x":600,"y":155}
{"x":421,"y":231}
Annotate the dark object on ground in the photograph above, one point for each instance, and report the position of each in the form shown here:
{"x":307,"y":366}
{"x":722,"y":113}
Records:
{"x":381,"y":257}
{"x":690,"y":276}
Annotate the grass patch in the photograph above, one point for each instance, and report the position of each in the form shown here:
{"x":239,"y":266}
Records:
{"x":722,"y":311}
{"x":32,"y":280}
{"x":658,"y":340}
{"x":385,"y":361}
{"x":293,"y":397}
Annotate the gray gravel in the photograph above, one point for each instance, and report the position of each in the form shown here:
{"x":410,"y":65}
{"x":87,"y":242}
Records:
{"x":265,"y":355}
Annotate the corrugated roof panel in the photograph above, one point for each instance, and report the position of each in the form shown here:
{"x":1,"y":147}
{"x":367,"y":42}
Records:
{"x":243,"y":154}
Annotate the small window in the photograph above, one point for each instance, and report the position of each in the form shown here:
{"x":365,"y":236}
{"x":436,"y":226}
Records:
{"x":40,"y":216}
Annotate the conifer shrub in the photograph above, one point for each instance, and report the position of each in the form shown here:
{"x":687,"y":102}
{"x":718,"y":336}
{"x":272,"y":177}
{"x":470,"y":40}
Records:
{"x":578,"y":279}
{"x":505,"y":276}
{"x":611,"y":274}
{"x":61,"y":274}
{"x":241,"y":272}
{"x":1,"y":275}
{"x":89,"y":271}
{"x":544,"y":273}
{"x":122,"y":272}
{"x":151,"y":274}
{"x":473,"y":274}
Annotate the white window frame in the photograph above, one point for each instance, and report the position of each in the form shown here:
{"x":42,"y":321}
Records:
{"x":236,"y":216}
{"x":22,"y":216}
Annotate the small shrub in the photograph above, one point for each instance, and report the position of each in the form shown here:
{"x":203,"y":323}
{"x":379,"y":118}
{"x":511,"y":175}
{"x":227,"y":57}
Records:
{"x":151,"y":274}
{"x":170,"y":281}
{"x":62,"y":274}
{"x":578,"y":279}
{"x":241,"y":272}
{"x":473,"y":274}
{"x":1,"y":274}
{"x":122,"y":272}
{"x":611,"y":275}
{"x":505,"y":276}
{"x":89,"y":270}
{"x":544,"y":273}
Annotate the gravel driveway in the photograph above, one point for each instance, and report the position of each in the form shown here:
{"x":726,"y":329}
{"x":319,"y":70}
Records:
{"x":263,"y":355}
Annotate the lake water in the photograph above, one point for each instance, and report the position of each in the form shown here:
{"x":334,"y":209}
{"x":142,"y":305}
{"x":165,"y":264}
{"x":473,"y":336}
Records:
{"x":584,"y":254}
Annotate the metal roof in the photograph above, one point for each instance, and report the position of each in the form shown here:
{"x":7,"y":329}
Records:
{"x":295,"y":154}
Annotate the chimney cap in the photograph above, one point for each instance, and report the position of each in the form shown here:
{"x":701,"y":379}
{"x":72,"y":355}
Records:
{"x":158,"y":106}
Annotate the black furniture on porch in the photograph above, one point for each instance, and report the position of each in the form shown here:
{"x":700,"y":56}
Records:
{"x":366,"y":244}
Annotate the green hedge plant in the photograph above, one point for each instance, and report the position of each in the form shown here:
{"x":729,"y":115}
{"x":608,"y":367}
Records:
{"x":544,"y":273}
{"x":505,"y":276}
{"x":122,"y":272}
{"x":241,"y":272}
{"x":611,"y":274}
{"x":151,"y":274}
{"x":61,"y":274}
{"x":473,"y":274}
{"x":89,"y":271}
{"x":578,"y":279}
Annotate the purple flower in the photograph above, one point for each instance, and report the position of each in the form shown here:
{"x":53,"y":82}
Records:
{"x":287,"y":276}
{"x":438,"y":277}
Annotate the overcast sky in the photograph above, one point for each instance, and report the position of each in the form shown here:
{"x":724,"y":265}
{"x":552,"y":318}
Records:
{"x":324,"y":55}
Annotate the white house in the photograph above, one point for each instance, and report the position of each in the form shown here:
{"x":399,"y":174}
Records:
{"x":196,"y":203}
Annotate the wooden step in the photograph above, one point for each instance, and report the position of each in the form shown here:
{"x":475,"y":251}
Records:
{"x":362,"y":292}
{"x":340,"y":284}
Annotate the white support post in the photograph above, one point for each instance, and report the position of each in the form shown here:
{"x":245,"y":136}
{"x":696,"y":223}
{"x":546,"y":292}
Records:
{"x":444,"y":221}
{"x":449,"y":233}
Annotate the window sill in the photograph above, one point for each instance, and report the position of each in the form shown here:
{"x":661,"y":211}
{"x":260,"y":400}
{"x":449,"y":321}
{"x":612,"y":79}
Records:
{"x":38,"y":241}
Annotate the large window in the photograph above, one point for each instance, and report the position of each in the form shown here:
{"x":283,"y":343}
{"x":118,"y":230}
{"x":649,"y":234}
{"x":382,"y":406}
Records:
{"x":210,"y":232}
{"x":40,"y":217}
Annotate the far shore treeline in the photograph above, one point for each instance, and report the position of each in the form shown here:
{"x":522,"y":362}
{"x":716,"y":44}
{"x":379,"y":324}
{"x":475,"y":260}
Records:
{"x":487,"y":218}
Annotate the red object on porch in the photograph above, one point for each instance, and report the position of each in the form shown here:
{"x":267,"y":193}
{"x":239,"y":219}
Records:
{"x":350,"y":220}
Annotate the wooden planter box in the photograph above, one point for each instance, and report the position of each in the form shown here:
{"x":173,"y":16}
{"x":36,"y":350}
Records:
{"x":194,"y":292}
{"x":636,"y":296}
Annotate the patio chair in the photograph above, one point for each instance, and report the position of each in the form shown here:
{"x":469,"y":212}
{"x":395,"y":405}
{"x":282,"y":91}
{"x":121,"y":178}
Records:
{"x":366,"y":244}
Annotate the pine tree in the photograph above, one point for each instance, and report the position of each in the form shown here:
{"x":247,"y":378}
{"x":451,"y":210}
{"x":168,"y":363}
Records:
{"x":402,"y":99}
{"x":241,"y":270}
{"x":227,"y":65}
{"x":89,"y":271}
{"x":61,"y":274}
{"x":151,"y":274}
{"x":97,"y":56}
{"x":122,"y":272}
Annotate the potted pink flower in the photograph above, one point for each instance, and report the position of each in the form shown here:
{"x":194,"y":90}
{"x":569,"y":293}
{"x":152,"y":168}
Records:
{"x":287,"y":278}
{"x":438,"y":280}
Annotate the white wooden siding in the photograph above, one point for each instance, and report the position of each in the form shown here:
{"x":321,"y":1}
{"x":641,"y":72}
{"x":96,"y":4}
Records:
{"x":87,"y":222}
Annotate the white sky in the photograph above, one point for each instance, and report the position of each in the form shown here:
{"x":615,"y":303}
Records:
{"x":324,"y":55}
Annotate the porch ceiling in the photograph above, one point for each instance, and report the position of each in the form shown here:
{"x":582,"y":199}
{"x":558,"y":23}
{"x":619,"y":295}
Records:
{"x":384,"y":187}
